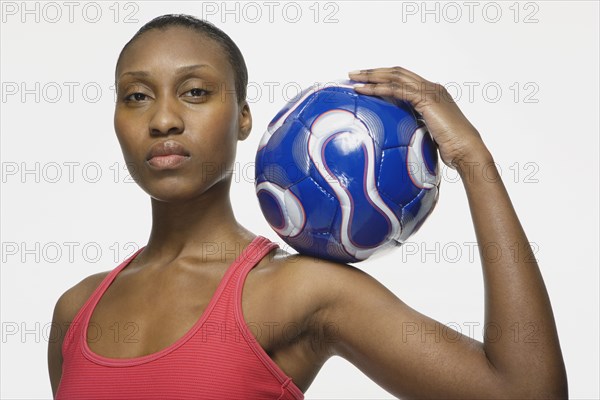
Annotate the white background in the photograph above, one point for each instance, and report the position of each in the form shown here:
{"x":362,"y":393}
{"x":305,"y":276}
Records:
{"x":534,"y":76}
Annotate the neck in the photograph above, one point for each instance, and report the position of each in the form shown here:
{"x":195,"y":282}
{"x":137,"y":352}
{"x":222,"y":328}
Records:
{"x":197,"y":227}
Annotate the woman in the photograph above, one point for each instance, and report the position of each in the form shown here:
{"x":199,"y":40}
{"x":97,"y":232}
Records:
{"x":188,"y":330}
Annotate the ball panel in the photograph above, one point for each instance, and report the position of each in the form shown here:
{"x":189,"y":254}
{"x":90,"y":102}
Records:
{"x":274,"y":199}
{"x":417,"y":211}
{"x":323,"y":246}
{"x":296,"y":215}
{"x":319,"y":206}
{"x":396,"y":209}
{"x":305,"y":240}
{"x":292,"y":109}
{"x":271,"y":209}
{"x":326,"y":100}
{"x":429,"y":153}
{"x":372,"y":121}
{"x":394,"y":179}
{"x":364,"y":224}
{"x":335,"y":251}
{"x":280,"y":163}
{"x":418,"y":170}
{"x":299,"y":151}
{"x":398,"y":120}
{"x":258,"y":167}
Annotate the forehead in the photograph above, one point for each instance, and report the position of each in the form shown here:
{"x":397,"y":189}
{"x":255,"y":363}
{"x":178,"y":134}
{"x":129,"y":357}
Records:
{"x":160,"y":51}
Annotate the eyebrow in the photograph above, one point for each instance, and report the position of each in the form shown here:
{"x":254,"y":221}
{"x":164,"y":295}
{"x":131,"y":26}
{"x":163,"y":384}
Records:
{"x":180,"y":70}
{"x":189,"y":68}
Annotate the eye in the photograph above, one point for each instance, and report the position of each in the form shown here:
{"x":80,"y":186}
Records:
{"x":136,"y":97}
{"x":196,"y":92}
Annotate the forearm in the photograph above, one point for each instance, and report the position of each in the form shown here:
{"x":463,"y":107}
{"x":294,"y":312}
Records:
{"x":521,"y":340}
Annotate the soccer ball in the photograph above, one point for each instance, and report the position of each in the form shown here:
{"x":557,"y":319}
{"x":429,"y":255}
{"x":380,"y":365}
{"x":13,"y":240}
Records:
{"x":341,"y":176}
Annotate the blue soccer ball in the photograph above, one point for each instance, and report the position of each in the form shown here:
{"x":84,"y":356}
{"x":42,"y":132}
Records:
{"x":341,"y":176}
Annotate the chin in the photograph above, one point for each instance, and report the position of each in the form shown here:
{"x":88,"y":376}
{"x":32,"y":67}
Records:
{"x":180,"y":190}
{"x":170,"y":197}
{"x":170,"y":190}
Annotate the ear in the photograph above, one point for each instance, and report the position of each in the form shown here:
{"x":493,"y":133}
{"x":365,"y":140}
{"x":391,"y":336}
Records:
{"x":245,"y":121}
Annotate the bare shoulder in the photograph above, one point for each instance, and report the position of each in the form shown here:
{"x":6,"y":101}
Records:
{"x":69,"y":303}
{"x":324,"y":280}
{"x":321,"y":288}
{"x":334,"y":300}
{"x":65,"y":310}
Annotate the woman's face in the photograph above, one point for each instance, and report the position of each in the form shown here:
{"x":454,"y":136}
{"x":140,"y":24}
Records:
{"x":175,"y":90}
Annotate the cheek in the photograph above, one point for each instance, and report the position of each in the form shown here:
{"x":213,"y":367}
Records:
{"x":126,"y":135}
{"x":219,"y":132}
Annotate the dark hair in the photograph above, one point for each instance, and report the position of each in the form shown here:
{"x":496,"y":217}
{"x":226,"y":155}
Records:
{"x":233,"y":53}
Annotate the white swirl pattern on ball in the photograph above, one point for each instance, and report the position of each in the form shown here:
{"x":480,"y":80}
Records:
{"x":335,"y":122}
{"x":415,"y":162}
{"x":290,"y":207}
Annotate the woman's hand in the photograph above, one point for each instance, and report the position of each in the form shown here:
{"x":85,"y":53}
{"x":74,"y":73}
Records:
{"x":457,"y":139}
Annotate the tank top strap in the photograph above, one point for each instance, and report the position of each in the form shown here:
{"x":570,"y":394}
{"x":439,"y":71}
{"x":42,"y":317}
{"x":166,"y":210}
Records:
{"x":224,"y":296}
{"x":111,"y":276}
{"x":260,"y":248}
{"x":251,"y":256}
{"x":75,"y":325}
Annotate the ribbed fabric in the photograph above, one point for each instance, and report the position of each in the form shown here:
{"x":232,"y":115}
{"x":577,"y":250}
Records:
{"x":218,"y":358}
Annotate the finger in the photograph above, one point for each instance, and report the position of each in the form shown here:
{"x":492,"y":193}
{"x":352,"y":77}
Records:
{"x":395,"y":77}
{"x":367,"y":74}
{"x":374,"y":70}
{"x":380,"y":77}
{"x":382,"y":89}
{"x":400,"y":91}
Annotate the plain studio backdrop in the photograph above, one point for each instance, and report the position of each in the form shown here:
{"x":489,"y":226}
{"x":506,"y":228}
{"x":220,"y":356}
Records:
{"x":525,"y":74}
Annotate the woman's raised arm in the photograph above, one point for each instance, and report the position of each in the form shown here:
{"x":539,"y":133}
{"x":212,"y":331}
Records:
{"x":376,"y":331}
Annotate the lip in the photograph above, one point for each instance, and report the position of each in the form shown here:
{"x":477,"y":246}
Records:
{"x":167,"y":162}
{"x":168,"y":154}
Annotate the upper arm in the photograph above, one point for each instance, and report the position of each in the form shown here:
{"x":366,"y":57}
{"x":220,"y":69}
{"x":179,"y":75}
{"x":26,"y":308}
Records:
{"x":402,"y":350}
{"x":65,"y":310}
{"x":57,"y":334}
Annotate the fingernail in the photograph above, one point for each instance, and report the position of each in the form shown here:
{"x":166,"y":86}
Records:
{"x":355,"y":72}
{"x":358,"y":85}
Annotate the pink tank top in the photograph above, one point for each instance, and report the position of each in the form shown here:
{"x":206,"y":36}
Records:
{"x":218,"y":358}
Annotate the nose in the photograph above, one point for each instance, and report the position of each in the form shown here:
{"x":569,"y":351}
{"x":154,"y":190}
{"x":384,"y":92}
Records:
{"x":166,"y":119}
